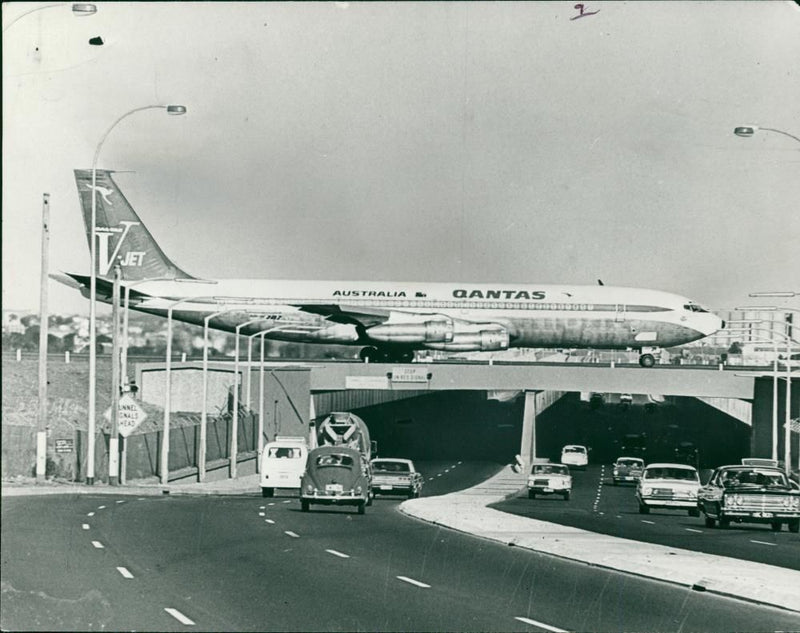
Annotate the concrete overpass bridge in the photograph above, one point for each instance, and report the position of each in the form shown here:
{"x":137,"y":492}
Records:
{"x":299,"y":391}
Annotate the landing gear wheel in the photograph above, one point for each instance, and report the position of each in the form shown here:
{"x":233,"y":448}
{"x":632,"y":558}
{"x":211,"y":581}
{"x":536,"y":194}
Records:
{"x":647,"y":360}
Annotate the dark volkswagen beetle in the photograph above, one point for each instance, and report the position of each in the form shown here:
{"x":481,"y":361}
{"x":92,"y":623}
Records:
{"x":336,"y":475}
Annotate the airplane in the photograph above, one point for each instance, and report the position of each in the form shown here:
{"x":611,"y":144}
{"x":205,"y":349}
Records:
{"x":389,"y":320}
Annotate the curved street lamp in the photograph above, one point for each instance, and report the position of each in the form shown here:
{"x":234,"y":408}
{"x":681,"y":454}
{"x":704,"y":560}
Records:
{"x":747,"y":131}
{"x":113,"y":445}
{"x":80,"y":9}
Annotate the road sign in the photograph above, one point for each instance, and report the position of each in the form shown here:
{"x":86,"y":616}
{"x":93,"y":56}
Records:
{"x":130,"y":415}
{"x":65,"y":446}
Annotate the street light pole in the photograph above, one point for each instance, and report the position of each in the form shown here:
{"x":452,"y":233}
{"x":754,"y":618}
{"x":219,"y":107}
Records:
{"x":78,"y":9}
{"x":44,"y":319}
{"x":171,"y":109}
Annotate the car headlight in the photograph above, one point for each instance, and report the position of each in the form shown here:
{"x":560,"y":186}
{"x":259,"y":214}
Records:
{"x":358,"y":490}
{"x":734,"y":500}
{"x":794,"y":503}
{"x":616,"y":472}
{"x":647,"y":490}
{"x":310,"y":489}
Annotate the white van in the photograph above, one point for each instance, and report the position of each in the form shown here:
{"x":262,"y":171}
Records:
{"x":282,"y":464}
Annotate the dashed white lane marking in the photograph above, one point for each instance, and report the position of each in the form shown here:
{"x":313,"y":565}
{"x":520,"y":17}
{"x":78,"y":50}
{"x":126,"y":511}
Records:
{"x":271,"y":504}
{"x":292,"y":534}
{"x":650,"y":522}
{"x":85,"y":526}
{"x":121,"y":501}
{"x":335,"y":553}
{"x":693,"y":530}
{"x":262,"y":514}
{"x":288,"y":501}
{"x":439,"y":475}
{"x":125,"y":573}
{"x":91,"y":514}
{"x":101,"y":507}
{"x":763,"y":543}
{"x":97,"y":544}
{"x":447,"y":470}
{"x":460,"y":462}
{"x":430,"y":478}
{"x":413,"y":582}
{"x":542,"y":625}
{"x":261,"y":507}
{"x":179,"y":616}
{"x":139,"y":498}
{"x":270,"y":521}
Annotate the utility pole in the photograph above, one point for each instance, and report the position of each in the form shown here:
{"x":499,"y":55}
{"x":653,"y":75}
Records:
{"x":41,"y":428}
{"x":113,"y":443}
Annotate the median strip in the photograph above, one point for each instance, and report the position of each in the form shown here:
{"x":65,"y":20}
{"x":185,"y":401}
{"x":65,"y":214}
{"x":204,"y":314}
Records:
{"x":413,"y":582}
{"x":178,"y":616}
{"x":541,"y":625}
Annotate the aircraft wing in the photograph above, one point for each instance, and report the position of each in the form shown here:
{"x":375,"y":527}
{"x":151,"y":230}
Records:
{"x":360,"y":315}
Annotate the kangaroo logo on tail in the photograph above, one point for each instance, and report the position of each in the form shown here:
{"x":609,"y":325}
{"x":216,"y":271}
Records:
{"x":122,"y":238}
{"x":103,"y":191}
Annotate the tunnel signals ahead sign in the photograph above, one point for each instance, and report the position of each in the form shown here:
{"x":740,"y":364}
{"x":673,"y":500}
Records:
{"x":130,"y":415}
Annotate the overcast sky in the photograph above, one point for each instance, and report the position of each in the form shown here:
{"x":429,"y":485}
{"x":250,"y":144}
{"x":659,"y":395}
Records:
{"x":482,"y":142}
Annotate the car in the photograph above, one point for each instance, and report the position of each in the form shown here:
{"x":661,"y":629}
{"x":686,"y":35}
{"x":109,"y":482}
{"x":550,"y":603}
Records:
{"x":396,"y":476}
{"x":748,"y":493}
{"x":336,"y":475}
{"x":282,"y":464}
{"x":668,"y":485}
{"x":627,"y":469}
{"x":575,"y":455}
{"x":549,"y":479}
{"x":626,"y":399}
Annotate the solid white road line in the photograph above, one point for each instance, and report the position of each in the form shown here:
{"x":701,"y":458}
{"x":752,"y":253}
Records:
{"x":97,"y":544}
{"x":292,"y":534}
{"x":763,"y":543}
{"x":125,"y":573}
{"x":542,"y":625}
{"x":693,"y":530}
{"x":335,"y":553}
{"x":413,"y":582}
{"x":85,"y":526}
{"x":179,"y":616}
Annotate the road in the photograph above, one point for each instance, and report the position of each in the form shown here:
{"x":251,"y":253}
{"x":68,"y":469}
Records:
{"x":598,"y":506}
{"x":92,"y":562}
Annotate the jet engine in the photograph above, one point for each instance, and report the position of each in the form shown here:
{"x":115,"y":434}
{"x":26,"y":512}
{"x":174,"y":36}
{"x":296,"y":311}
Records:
{"x":438,"y":331}
{"x":481,"y":341}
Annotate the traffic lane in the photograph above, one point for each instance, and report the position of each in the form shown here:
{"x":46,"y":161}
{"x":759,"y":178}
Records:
{"x":444,"y":477}
{"x":234,"y":569}
{"x":598,"y":506}
{"x":61,"y":571}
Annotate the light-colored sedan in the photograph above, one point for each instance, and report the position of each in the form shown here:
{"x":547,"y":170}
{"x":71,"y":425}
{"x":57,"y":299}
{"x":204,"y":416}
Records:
{"x":392,"y":476}
{"x":668,"y":486}
{"x":627,"y":469}
{"x":575,"y":455}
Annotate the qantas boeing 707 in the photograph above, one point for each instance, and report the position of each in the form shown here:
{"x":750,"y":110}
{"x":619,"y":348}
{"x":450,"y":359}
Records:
{"x":388,"y":320}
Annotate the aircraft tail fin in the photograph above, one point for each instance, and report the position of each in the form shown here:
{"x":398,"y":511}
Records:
{"x":121,"y":235}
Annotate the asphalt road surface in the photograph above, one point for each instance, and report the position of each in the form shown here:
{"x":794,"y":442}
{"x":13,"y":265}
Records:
{"x":92,"y":562}
{"x":598,"y":506}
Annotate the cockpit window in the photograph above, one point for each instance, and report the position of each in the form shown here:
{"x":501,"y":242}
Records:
{"x":693,"y":307}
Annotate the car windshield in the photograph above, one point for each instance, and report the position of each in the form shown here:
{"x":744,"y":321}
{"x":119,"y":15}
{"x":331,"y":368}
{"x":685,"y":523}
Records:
{"x":630,"y":463}
{"x":671,"y":473}
{"x":753,"y":477}
{"x":335,"y":459}
{"x":550,"y":469}
{"x":283,"y":452}
{"x":390,"y":467}
{"x":574,"y":449}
